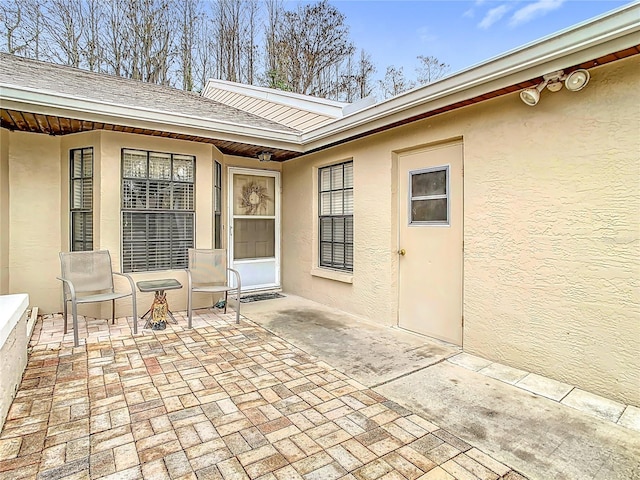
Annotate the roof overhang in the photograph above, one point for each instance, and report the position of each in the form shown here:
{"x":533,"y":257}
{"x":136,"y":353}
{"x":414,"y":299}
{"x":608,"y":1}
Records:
{"x":51,"y":104}
{"x":601,"y":40}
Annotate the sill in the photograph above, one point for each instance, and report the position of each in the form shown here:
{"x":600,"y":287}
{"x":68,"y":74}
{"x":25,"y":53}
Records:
{"x":332,"y":275}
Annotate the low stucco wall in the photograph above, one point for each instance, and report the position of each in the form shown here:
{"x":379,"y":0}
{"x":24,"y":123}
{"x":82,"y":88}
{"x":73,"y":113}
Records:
{"x":551,"y":221}
{"x":13,"y":348}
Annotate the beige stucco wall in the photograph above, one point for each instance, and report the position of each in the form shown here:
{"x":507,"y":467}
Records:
{"x":552,"y":229}
{"x":37,"y":166}
{"x":551,"y":219}
{"x":34,"y":209}
{"x":4,"y":211}
{"x":552,"y":234}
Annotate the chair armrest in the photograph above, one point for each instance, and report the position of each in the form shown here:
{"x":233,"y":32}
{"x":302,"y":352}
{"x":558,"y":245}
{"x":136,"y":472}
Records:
{"x":128,"y":277}
{"x":237,"y":280}
{"x":72,"y":290}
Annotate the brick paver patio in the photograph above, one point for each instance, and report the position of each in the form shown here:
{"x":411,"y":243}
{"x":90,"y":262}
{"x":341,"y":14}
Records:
{"x":220,"y":401}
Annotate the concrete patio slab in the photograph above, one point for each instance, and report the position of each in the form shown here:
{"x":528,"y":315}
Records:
{"x":630,"y":418}
{"x":536,"y":435}
{"x":547,"y":387}
{"x":471,"y":362}
{"x":504,"y":373}
{"x":595,"y":404}
{"x":539,"y":437}
{"x":369,"y":353}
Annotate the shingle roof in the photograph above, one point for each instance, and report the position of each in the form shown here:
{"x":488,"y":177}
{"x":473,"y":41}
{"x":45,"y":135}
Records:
{"x":82,"y":84}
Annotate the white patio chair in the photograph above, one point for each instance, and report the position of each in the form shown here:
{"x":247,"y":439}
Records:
{"x":207,"y":273}
{"x":87,"y":277}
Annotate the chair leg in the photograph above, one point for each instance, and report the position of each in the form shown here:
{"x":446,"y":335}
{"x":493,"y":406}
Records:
{"x":113,"y":311}
{"x":226,"y":298}
{"x":64,"y":301}
{"x":135,"y":313}
{"x":238,"y":307}
{"x":189,"y":313}
{"x":74,"y":310}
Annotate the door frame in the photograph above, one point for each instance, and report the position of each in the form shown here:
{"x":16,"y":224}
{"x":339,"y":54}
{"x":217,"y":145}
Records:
{"x":231,"y":171}
{"x":405,"y":223}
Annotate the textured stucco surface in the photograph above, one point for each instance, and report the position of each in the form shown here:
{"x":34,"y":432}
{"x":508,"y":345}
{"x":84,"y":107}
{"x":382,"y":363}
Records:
{"x":37,"y":168}
{"x":552,"y":245}
{"x":4,"y":211}
{"x":552,"y":227}
{"x":551,"y":220}
{"x":35,"y":212}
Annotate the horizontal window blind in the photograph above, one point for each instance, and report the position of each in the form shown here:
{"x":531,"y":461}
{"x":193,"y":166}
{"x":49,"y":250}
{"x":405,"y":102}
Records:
{"x":336,"y":216}
{"x":158,"y":210}
{"x":81,"y":199}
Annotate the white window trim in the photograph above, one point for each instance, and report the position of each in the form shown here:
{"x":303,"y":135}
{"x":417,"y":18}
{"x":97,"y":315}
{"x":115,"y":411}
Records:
{"x":434,"y":223}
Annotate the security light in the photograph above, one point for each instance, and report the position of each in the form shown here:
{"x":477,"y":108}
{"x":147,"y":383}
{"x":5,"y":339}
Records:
{"x":574,"y":82}
{"x":264,"y":156}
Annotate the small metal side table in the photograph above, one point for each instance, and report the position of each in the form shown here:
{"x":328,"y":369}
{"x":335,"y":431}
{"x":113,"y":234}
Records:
{"x":159,"y":309}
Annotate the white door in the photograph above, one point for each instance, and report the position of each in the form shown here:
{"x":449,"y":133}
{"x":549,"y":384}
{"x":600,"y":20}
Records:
{"x":430,"y":243}
{"x":254,"y":227}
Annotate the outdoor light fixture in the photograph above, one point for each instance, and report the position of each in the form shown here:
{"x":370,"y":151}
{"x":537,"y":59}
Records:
{"x":577,"y":80}
{"x":264,"y":156}
{"x":574,"y":82}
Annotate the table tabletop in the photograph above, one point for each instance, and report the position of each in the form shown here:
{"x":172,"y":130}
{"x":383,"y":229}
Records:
{"x":156,"y":285}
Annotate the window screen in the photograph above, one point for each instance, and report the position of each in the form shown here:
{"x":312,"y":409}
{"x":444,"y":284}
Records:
{"x":429,"y":196}
{"x":336,"y":216}
{"x":158,"y":211}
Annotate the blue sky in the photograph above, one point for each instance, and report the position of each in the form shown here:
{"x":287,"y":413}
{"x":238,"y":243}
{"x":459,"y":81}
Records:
{"x":460,"y":33}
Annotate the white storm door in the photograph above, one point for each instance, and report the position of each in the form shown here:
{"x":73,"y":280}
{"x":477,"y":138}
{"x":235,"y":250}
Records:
{"x":430,"y":243}
{"x":254,"y":227}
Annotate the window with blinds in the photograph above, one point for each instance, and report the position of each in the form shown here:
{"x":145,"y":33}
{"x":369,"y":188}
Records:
{"x":158,"y":210}
{"x":81,"y":199}
{"x":336,"y":216}
{"x":217,"y":205}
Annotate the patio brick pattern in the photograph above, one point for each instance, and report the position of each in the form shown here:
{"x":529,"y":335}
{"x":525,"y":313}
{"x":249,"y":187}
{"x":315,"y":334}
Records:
{"x":220,"y":401}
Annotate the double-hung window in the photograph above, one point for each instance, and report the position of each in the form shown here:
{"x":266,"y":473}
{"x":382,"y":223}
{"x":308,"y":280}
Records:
{"x":158,"y":210}
{"x":217,"y":205}
{"x":336,"y":216}
{"x":81,"y":199}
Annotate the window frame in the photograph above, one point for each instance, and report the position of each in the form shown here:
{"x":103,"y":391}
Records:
{"x":344,"y":266}
{"x":217,"y":204}
{"x":447,"y":196}
{"x":174,"y":213}
{"x":80,"y":212}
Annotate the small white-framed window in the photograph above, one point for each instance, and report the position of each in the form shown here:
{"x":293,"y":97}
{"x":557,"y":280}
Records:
{"x":429,"y":196}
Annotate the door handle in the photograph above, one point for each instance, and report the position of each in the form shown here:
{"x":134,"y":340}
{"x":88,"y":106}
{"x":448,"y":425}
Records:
{"x":402,"y":252}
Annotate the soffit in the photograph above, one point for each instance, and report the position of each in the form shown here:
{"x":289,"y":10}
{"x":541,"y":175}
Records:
{"x":291,"y":116}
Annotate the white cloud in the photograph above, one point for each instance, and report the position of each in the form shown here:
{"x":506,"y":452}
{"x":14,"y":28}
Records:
{"x":469,"y":13}
{"x":493,"y":16}
{"x":533,"y":10}
{"x":425,"y":35}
